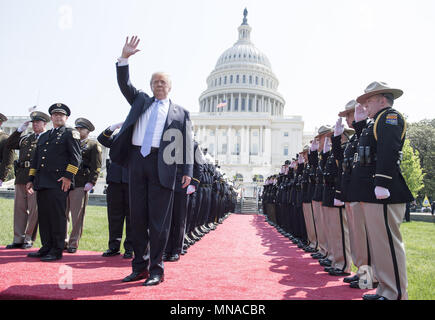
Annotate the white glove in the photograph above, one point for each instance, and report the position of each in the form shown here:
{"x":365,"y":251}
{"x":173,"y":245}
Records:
{"x":361,"y":113}
{"x":190,"y":189}
{"x":115,"y":126}
{"x":301,"y":159}
{"x":382,"y":193}
{"x":314,"y":145}
{"x":282,"y":170}
{"x":286,"y":170}
{"x":23,"y":127}
{"x":1,"y":182}
{"x":339,"y":128}
{"x":326,"y":145}
{"x":338,"y":203}
{"x":88,"y":186}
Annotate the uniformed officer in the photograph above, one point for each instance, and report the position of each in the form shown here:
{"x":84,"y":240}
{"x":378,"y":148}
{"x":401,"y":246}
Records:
{"x":118,"y":203}
{"x":335,"y":216}
{"x":25,"y":207}
{"x":307,"y":206}
{"x":344,"y":153}
{"x":182,"y":198}
{"x":52,"y":171}
{"x":317,"y":162}
{"x":6,"y":155}
{"x":383,"y":190}
{"x":85,"y":180}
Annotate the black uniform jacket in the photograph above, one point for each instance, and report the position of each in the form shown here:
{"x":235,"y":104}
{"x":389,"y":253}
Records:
{"x":57,"y":155}
{"x":377,"y":159}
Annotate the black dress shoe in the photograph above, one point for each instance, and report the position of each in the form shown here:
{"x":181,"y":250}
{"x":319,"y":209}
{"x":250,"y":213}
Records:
{"x":71,"y":250}
{"x":173,"y":257}
{"x":371,"y":297}
{"x":111,"y":252}
{"x":50,"y":257}
{"x":135,"y":276}
{"x":36,"y":254}
{"x":351,"y":279}
{"x":338,"y":272}
{"x":154,"y":280}
{"x":14,"y":246}
{"x":128,"y":255}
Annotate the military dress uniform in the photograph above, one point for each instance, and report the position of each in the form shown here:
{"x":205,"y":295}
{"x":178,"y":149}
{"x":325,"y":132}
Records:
{"x":6,"y":155}
{"x":174,"y":245}
{"x":89,"y":171}
{"x":57,"y":155}
{"x":377,"y":164}
{"x":307,"y":207}
{"x":25,"y":206}
{"x":360,"y":253}
{"x":338,"y":231}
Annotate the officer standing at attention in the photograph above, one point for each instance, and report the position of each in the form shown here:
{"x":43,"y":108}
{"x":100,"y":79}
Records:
{"x":85,"y":180}
{"x":56,"y":162}
{"x":6,"y":155}
{"x":25,"y":207}
{"x":383,"y":190}
{"x":118,"y":204}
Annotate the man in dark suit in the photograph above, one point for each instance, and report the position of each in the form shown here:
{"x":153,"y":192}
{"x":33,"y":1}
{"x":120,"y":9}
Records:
{"x":154,"y":139}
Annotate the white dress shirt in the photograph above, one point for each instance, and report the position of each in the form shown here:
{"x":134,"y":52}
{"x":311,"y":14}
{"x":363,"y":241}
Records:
{"x":141,"y":124}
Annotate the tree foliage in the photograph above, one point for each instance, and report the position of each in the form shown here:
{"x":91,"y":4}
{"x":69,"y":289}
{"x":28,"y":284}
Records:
{"x":421,"y":136}
{"x":411,"y":169}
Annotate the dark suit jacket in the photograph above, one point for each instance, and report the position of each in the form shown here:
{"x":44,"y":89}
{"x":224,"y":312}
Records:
{"x":115,"y":172}
{"x":178,"y":118}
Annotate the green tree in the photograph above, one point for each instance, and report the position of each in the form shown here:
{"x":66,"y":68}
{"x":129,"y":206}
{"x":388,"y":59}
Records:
{"x":411,"y":169}
{"x":422,"y":138}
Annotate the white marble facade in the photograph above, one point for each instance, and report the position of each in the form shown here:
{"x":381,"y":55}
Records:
{"x":249,"y":134}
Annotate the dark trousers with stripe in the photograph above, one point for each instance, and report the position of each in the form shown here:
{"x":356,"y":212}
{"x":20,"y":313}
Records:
{"x":150,"y":213}
{"x":118,"y":211}
{"x":178,"y":223}
{"x":52,"y":220}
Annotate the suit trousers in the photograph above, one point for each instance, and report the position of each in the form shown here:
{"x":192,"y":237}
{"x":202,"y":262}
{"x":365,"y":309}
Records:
{"x":118,"y":211}
{"x":25,"y":215}
{"x":150,"y":212}
{"x":76,"y":204}
{"x":309,"y":223}
{"x":320,"y":227}
{"x":387,"y":248}
{"x":178,"y":223}
{"x":52,"y":220}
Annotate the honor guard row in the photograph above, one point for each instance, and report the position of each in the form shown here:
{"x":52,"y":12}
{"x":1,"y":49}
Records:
{"x":343,"y":198}
{"x":53,"y":174}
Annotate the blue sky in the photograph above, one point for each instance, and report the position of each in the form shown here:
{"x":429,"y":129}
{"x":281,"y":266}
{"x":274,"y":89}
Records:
{"x":323,"y":52}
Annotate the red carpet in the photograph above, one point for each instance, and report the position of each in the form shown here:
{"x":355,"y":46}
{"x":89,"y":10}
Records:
{"x":243,"y":259}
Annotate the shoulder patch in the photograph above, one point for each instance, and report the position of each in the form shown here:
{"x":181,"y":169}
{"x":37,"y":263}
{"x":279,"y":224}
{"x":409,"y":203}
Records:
{"x":391,"y":118}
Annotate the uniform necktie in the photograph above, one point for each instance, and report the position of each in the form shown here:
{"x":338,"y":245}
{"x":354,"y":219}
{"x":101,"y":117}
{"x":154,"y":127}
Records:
{"x":149,"y":132}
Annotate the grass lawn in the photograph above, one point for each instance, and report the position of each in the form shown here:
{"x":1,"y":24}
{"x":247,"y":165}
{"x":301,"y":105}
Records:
{"x":419,"y":238}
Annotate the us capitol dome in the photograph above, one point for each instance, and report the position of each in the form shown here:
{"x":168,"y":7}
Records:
{"x":241,"y":117}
